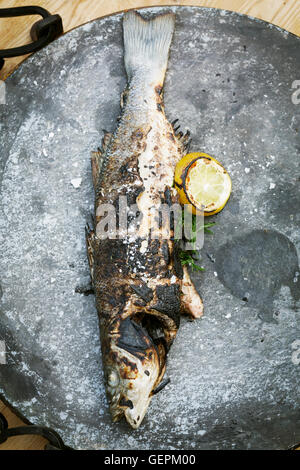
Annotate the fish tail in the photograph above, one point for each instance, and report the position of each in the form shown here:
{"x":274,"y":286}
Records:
{"x":147,"y":43}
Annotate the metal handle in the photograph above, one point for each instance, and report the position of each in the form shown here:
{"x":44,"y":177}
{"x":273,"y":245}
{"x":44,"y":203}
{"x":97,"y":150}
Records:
{"x":42,"y":32}
{"x":55,"y":441}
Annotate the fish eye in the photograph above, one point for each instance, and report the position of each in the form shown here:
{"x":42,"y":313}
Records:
{"x":113,"y":379}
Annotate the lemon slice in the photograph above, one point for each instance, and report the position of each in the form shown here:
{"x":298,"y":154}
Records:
{"x":202,"y":182}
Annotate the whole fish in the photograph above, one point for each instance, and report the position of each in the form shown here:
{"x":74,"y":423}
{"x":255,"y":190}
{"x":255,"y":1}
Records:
{"x":140,"y":286}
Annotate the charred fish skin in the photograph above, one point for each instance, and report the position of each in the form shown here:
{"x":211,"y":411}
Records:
{"x":140,"y":286}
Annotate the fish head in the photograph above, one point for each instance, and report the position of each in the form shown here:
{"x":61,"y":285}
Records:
{"x":133,"y":367}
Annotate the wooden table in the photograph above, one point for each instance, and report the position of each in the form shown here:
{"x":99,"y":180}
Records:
{"x":13,"y":32}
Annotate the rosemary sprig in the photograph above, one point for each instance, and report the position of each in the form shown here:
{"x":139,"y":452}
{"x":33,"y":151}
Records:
{"x":188,"y":257}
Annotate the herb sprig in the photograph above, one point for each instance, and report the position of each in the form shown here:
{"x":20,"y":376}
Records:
{"x":189,"y":257}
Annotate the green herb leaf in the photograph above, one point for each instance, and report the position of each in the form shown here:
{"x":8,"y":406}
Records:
{"x":186,"y":257}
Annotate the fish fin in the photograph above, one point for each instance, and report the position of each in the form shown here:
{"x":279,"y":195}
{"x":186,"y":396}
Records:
{"x":124,"y":96}
{"x":147,"y":43}
{"x":96,"y":161}
{"x":191,"y":301}
{"x":106,"y":141}
{"x":161,"y":386}
{"x":97,"y":158}
{"x":90,"y":239}
{"x":183,"y":139}
{"x":85,"y":289}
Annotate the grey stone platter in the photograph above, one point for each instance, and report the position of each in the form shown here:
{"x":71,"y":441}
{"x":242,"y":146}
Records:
{"x":235,"y":373}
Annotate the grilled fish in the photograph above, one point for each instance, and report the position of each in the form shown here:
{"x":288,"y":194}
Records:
{"x":140,"y":286}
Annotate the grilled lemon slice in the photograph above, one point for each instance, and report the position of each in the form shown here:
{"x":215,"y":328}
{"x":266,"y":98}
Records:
{"x":202,"y":182}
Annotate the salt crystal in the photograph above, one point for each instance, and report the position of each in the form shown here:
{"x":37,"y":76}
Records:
{"x":76,"y":182}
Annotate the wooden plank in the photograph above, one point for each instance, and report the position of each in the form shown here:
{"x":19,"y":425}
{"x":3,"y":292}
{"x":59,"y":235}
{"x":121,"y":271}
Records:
{"x":15,"y":32}
{"x":19,"y":442}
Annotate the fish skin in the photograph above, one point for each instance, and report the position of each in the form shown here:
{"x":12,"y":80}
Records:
{"x":139,"y":283}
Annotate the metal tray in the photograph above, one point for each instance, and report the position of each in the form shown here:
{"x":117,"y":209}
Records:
{"x":235,"y":374}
